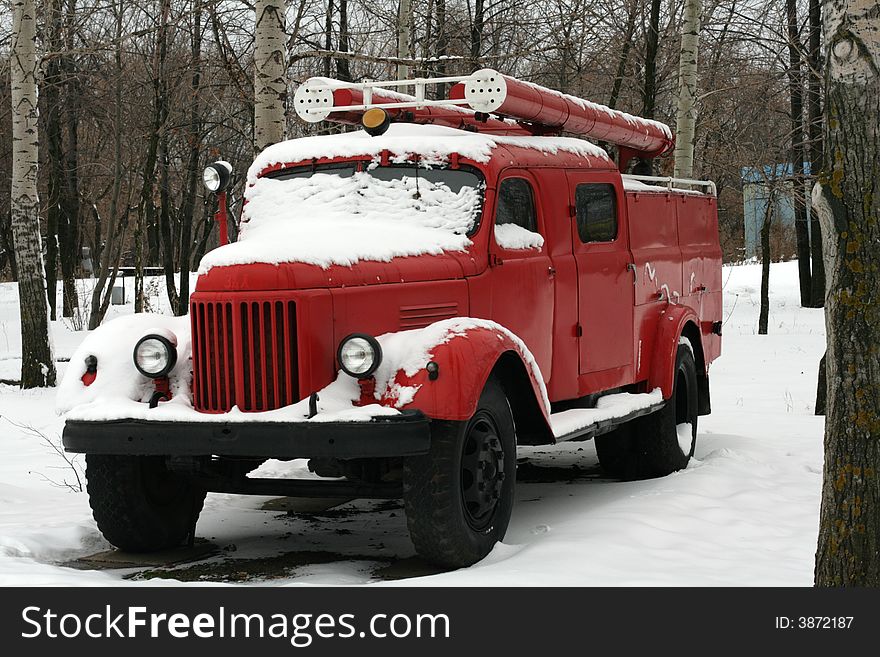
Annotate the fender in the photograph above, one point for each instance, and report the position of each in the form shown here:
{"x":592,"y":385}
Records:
{"x":464,"y":363}
{"x":112,"y":344}
{"x":670,"y":326}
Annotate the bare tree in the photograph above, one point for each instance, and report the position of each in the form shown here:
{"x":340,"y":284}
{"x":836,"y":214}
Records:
{"x":795,"y":86}
{"x":270,"y":87}
{"x":764,"y":313}
{"x":848,"y":552}
{"x":652,"y":41}
{"x":814,"y":130}
{"x":192,"y":168}
{"x":624,"y":52}
{"x":404,"y":36}
{"x":686,"y":116}
{"x":37,"y":363}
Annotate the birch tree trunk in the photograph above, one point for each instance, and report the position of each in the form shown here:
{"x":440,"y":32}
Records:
{"x":37,"y":363}
{"x":404,"y":35}
{"x":270,"y":73}
{"x":848,"y":551}
{"x":686,"y":117}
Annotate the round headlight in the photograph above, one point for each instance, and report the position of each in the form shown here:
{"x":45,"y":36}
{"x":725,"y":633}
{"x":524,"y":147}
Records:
{"x":154,"y":356}
{"x":359,"y":355}
{"x":216,"y":176}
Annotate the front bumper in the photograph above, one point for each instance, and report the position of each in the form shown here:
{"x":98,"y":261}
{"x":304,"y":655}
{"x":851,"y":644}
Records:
{"x":406,"y":434}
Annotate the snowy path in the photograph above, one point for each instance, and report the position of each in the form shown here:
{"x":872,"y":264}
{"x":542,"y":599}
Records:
{"x":744,"y":513}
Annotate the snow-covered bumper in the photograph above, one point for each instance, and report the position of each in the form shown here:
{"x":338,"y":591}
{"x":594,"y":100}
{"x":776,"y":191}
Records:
{"x":404,"y":434}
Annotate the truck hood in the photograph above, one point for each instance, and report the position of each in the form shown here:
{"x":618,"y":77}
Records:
{"x":260,"y":276}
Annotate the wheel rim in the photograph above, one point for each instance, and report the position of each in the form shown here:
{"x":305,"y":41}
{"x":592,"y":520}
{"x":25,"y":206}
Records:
{"x":482,"y":470}
{"x":684,"y":418}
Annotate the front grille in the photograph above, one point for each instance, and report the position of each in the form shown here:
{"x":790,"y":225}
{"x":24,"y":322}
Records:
{"x":244,"y":354}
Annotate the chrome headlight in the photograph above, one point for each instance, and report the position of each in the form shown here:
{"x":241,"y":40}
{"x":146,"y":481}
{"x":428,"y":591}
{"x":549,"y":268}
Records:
{"x":216,"y":176}
{"x":359,"y":355}
{"x":155,"y":356}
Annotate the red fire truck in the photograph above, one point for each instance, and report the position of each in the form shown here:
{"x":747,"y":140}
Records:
{"x":405,"y":306}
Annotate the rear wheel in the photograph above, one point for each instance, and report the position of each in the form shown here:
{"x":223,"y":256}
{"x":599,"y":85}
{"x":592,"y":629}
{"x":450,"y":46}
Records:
{"x":661,"y":443}
{"x":459,"y":497}
{"x":615,"y":451}
{"x":140,"y":505}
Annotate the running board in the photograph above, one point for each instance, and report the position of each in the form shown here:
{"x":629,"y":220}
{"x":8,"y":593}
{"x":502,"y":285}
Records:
{"x":610,"y":412}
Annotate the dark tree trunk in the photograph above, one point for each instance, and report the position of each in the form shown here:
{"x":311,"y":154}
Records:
{"x":51,"y":112}
{"x":343,"y":71}
{"x":51,"y":263}
{"x":163,"y":110}
{"x":187,"y":211}
{"x":7,"y":247}
{"x":624,"y":56}
{"x":441,"y":46}
{"x":328,"y":40}
{"x":822,"y":387}
{"x":814,"y":130}
{"x":68,"y":228}
{"x":795,"y":90}
{"x":649,"y":94}
{"x":764,"y":314}
{"x":106,"y":257}
{"x":848,"y":552}
{"x":476,"y":46}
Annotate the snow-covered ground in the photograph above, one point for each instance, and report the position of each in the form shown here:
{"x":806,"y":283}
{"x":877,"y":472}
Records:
{"x":744,"y":513}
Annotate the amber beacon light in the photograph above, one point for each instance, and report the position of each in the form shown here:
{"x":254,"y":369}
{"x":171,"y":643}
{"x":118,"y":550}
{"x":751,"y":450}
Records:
{"x":376,"y":121}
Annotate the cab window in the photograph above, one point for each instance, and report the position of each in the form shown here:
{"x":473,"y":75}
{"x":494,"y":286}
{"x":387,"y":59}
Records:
{"x":516,"y":204}
{"x":596,"y":207}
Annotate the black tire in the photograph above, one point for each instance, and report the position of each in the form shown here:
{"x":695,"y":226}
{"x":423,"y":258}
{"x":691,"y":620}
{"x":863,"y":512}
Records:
{"x":452,"y":521}
{"x":649,"y":446}
{"x":139,"y":505}
{"x":615,"y":451}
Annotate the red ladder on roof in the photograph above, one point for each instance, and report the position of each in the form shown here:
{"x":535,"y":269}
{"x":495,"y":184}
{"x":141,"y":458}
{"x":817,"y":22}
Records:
{"x":485,"y":101}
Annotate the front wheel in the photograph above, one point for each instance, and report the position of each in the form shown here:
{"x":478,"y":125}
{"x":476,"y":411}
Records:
{"x":459,"y":496}
{"x":140,"y":505}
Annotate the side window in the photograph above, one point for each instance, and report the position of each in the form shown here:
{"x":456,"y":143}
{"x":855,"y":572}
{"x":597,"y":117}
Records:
{"x":516,"y":204}
{"x":596,"y":207}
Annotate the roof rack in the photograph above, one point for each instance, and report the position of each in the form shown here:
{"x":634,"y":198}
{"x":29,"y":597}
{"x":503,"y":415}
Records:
{"x":670,"y":183}
{"x":515,"y":106}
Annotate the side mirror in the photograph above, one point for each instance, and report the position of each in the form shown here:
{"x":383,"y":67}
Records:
{"x":216,"y":176}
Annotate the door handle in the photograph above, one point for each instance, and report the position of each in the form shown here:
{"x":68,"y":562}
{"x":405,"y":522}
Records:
{"x":551,"y":272}
{"x":632,"y":267}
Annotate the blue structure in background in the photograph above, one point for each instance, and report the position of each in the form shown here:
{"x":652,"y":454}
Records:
{"x":758,"y":185}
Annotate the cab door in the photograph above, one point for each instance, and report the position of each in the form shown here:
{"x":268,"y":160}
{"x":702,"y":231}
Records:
{"x":521,"y":273}
{"x":605,"y":280}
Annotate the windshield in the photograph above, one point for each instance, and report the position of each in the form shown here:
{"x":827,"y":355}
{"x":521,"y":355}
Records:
{"x":449,"y":199}
{"x":341,"y":214}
